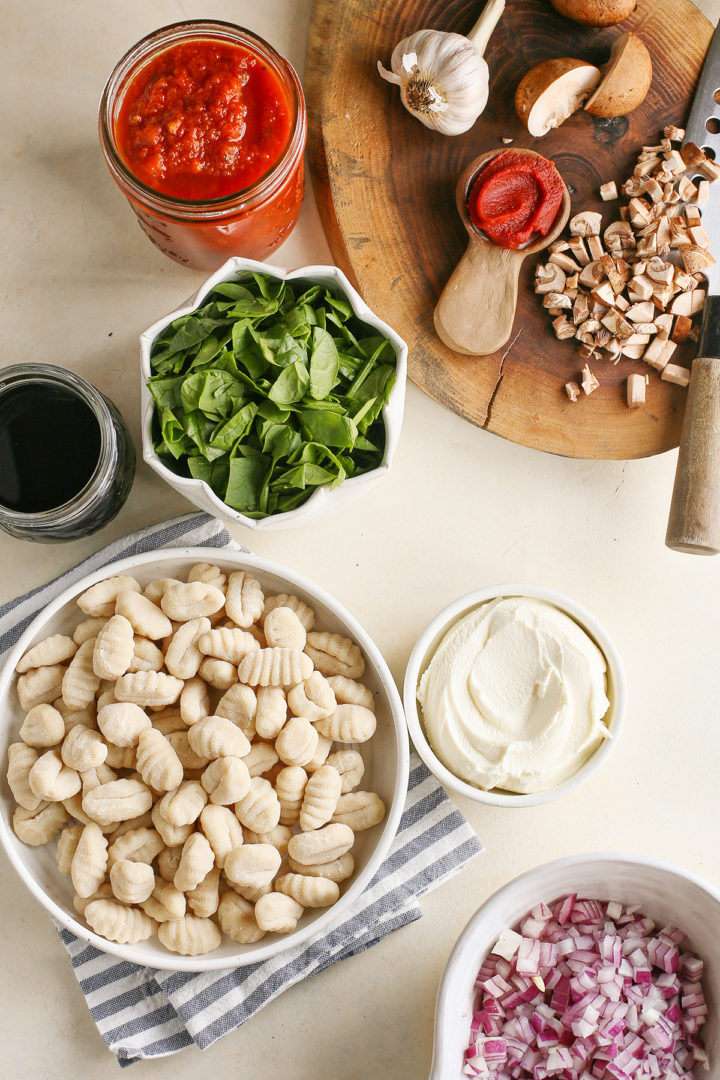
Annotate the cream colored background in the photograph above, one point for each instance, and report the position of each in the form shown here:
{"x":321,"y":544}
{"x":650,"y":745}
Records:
{"x":460,"y":509}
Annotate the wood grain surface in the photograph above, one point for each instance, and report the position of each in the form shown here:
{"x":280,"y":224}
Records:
{"x":385,"y":187}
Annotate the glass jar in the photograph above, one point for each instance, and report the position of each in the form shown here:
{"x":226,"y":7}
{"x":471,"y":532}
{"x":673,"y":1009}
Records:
{"x":49,"y":416}
{"x":252,"y":222}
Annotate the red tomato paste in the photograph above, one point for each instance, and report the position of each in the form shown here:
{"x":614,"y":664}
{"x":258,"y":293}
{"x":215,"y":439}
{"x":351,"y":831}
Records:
{"x":514,"y":196}
{"x":203,"y":120}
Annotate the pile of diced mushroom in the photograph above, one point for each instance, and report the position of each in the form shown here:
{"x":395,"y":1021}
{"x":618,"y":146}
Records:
{"x":633,"y":292}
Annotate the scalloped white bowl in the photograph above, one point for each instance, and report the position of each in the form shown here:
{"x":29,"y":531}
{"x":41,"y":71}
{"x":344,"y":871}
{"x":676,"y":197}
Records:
{"x":425,"y":649}
{"x":386,"y":761}
{"x":323,"y":501}
{"x":667,"y":893}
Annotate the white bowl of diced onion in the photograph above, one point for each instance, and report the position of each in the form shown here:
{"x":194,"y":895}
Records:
{"x":664,"y":893}
{"x":386,"y":758}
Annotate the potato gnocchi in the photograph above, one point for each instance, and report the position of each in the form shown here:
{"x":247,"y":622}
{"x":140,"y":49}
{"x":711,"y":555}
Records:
{"x":192,"y":746}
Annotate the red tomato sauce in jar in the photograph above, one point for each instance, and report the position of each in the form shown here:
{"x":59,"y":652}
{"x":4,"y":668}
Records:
{"x":515,"y":196}
{"x":203,"y":120}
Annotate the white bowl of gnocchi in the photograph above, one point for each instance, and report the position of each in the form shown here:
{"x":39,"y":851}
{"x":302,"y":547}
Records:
{"x":205,"y":759}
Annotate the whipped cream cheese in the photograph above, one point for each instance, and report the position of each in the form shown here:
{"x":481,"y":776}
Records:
{"x":515,"y":695}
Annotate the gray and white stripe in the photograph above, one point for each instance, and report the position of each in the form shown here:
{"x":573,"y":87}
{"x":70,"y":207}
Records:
{"x":144,"y":1013}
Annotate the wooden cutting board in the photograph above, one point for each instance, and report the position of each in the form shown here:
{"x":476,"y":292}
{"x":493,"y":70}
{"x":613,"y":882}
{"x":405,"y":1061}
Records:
{"x":385,"y":188}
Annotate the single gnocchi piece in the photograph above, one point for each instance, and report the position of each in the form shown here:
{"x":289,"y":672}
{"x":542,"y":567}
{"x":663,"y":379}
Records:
{"x":51,"y":779}
{"x":189,"y":936}
{"x":279,"y":837}
{"x":56,"y":649}
{"x":118,"y":922}
{"x":277,"y":913}
{"x":40,"y":686}
{"x":68,"y":841}
{"x":260,"y":758}
{"x":223,"y":831}
{"x":253,"y":866}
{"x":180,"y":742}
{"x":21,"y":759}
{"x":122,"y":723}
{"x":174,"y":836}
{"x":157,"y":762}
{"x":132,"y":882}
{"x":146,"y":656}
{"x":305,"y":614}
{"x":338,"y":870}
{"x":156,"y":589}
{"x":204,"y":898}
{"x":194,"y":701}
{"x":226,"y":780}
{"x":322,"y":792}
{"x":191,"y":600}
{"x":39,"y":826}
{"x":259,"y":808}
{"x":117,"y":801}
{"x":114,"y":648}
{"x":165,"y":902}
{"x":237,"y":919}
{"x":216,"y":736}
{"x":89,"y":861}
{"x":168,"y":720}
{"x":43,"y":727}
{"x":290,"y":789}
{"x":144,"y":821}
{"x":349,"y":692}
{"x":309,"y":892}
{"x":168,"y":862}
{"x":219,"y":674}
{"x":146,"y":618}
{"x":360,"y":810}
{"x":183,"y":805}
{"x":333,"y":654}
{"x":88,"y":628}
{"x":99,"y":599}
{"x":271,"y":712}
{"x":83,"y":748}
{"x":196,"y":861}
{"x":348,"y":724}
{"x":149,"y":688}
{"x":274,"y":667}
{"x":80,"y":683}
{"x":239,"y":704}
{"x":350,"y":765}
{"x":244,"y":599}
{"x":209,"y":573}
{"x":283,"y":629}
{"x":324,"y":746}
{"x":313,"y":698}
{"x":297,"y":742}
{"x":227,"y":643}
{"x":322,"y":845}
{"x":183,"y":656}
{"x":141,"y":844}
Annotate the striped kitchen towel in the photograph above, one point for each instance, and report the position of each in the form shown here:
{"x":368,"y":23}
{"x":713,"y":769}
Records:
{"x":144,"y":1013}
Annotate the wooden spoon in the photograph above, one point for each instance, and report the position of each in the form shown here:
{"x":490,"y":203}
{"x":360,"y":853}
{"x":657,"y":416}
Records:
{"x":476,"y":309}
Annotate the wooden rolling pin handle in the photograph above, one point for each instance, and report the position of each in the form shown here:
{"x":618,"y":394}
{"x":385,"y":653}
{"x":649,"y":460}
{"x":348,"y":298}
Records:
{"x":694,"y":522}
{"x":476,"y":309}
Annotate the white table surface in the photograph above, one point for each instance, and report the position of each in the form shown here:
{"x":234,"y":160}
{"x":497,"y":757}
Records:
{"x":460,"y":509}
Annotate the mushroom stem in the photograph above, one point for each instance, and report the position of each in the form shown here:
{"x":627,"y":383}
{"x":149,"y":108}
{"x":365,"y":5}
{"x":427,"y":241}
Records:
{"x":483,"y":28}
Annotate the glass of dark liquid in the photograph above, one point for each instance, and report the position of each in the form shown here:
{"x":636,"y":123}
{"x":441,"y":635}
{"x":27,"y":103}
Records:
{"x":66,"y":457}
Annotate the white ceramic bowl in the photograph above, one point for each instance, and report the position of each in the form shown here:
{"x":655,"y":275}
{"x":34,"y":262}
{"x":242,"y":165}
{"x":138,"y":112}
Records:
{"x":323,"y":501}
{"x":425,"y":649}
{"x":386,"y":757}
{"x":667,"y":893}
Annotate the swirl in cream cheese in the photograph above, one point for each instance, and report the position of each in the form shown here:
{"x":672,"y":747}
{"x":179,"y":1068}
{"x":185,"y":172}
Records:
{"x":515,"y":695}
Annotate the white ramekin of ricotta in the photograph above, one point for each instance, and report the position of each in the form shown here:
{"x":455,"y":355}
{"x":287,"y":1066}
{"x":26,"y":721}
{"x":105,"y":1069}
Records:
{"x":514,"y":695}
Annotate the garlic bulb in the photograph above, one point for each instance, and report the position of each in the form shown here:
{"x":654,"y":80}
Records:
{"x":443,"y":77}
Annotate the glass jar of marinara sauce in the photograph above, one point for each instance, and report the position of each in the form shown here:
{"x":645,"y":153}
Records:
{"x":203,"y":127}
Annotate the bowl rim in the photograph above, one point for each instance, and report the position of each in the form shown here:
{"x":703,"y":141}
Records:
{"x":497,"y":902}
{"x":442,"y":622}
{"x":392,"y":411}
{"x":329,"y":916}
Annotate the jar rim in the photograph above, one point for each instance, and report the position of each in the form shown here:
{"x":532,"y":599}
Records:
{"x":57,"y":516}
{"x":146,"y":49}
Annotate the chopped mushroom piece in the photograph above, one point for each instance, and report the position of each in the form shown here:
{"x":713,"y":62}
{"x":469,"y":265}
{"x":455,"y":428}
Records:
{"x":549,"y":278}
{"x":589,"y":382}
{"x":688,"y":303}
{"x":703,"y":191}
{"x":635,"y":391}
{"x":572,"y":390}
{"x":696,"y":259}
{"x":658,"y":352}
{"x":675,"y":374}
{"x":563,"y":328}
{"x":586,"y":224}
{"x":681,"y":331}
{"x":564,"y":261}
{"x":674,"y":134}
{"x":608,"y":191}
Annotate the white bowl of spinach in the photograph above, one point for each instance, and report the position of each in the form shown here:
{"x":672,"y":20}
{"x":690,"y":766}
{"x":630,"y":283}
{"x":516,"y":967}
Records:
{"x":272,"y":396}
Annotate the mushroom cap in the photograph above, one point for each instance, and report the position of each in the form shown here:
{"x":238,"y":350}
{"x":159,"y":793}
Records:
{"x":552,"y":91}
{"x":626,"y":79}
{"x":595,"y":12}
